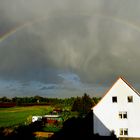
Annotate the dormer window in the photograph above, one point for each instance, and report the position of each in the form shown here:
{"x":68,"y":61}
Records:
{"x":114,"y":99}
{"x":130,"y":99}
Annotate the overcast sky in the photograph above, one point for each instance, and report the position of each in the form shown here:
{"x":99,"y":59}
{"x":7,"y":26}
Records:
{"x":63,"y":48}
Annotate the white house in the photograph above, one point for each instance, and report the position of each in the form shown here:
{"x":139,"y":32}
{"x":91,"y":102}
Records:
{"x":118,"y":111}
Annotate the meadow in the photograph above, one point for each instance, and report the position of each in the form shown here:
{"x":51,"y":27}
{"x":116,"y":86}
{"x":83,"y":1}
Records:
{"x":18,"y":115}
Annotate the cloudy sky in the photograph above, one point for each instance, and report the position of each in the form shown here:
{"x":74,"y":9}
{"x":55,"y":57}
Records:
{"x":64,"y":48}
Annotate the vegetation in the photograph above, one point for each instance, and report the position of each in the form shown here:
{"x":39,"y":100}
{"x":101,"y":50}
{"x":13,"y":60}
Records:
{"x":82,"y":105}
{"x":18,"y":115}
{"x":26,"y":107}
{"x":37,"y":100}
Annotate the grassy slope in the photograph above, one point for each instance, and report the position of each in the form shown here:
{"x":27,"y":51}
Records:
{"x":18,"y":115}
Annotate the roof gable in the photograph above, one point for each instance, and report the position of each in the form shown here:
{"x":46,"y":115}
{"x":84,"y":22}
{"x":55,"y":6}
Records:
{"x":128,"y":84}
{"x":120,"y":82}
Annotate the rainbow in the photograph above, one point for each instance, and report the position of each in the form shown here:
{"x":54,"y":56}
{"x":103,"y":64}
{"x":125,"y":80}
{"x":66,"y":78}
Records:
{"x":121,"y":21}
{"x":30,"y":23}
{"x":19,"y":28}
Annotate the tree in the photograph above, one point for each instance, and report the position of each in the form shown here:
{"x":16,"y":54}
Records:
{"x":4,"y":99}
{"x":77,"y":105}
{"x":82,"y":105}
{"x":87,"y":103}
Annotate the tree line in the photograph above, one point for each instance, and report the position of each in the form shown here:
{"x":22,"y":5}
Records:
{"x":37,"y":100}
{"x":82,"y":105}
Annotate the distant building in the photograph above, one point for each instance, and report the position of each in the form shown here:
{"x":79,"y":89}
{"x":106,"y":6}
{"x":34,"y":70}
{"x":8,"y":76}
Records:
{"x":52,"y":119}
{"x":47,"y":119}
{"x":118,"y":112}
{"x":36,"y":118}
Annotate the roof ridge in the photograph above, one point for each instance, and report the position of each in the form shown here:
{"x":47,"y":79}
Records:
{"x":121,"y":77}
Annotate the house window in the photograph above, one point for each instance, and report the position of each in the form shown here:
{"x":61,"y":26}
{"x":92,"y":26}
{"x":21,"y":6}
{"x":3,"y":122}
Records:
{"x":123,"y":115}
{"x":123,"y":131}
{"x":130,"y":99}
{"x":120,"y":115}
{"x":114,"y":99}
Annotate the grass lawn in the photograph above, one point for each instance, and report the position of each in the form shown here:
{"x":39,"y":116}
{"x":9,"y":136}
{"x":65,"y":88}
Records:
{"x":18,"y":115}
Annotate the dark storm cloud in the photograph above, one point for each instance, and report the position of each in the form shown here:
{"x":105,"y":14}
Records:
{"x":95,"y":39}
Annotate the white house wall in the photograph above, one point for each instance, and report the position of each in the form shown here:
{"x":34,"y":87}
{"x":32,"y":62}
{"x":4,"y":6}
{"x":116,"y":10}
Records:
{"x":105,"y":113}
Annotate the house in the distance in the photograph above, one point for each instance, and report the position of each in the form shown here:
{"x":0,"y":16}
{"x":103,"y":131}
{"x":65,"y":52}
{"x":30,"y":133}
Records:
{"x":52,"y":119}
{"x":118,"y":111}
{"x":48,"y":119}
{"x":36,"y":118}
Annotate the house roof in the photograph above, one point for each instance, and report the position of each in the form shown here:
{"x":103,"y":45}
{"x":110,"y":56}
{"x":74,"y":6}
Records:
{"x":124,"y":80}
{"x":51,"y":116}
{"x":129,"y":85}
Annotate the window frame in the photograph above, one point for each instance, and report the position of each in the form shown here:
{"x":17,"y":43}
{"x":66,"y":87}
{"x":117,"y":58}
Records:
{"x":114,"y":99}
{"x":130,"y":99}
{"x":123,"y":115}
{"x":123,"y":131}
{"x":120,"y":115}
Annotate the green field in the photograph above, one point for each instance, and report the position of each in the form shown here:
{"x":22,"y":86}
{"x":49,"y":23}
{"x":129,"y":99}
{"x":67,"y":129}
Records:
{"x":18,"y":115}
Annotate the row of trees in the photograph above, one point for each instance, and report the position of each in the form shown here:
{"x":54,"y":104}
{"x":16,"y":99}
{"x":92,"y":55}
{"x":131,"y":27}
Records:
{"x":37,"y":100}
{"x":82,"y":105}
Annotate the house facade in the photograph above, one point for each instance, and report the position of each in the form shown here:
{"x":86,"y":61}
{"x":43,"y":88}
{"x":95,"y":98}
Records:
{"x":118,"y":111}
